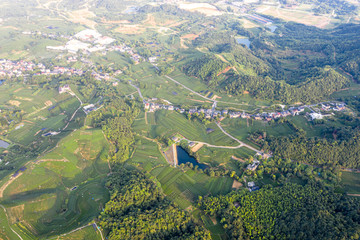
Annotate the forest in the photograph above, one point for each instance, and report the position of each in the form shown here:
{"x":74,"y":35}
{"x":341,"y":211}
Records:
{"x":139,"y":210}
{"x":320,"y":152}
{"x":291,"y":211}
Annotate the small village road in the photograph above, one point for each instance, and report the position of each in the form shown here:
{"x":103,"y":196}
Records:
{"x":242,"y":144}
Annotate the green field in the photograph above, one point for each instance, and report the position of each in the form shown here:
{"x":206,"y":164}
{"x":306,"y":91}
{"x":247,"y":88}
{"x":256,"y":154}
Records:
{"x":62,"y":190}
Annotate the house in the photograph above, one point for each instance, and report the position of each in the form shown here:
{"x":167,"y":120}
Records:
{"x":175,"y":138}
{"x":315,"y":115}
{"x":65,"y":88}
{"x":251,"y":184}
{"x":253,"y":166}
{"x":171,"y":108}
{"x":147,"y":106}
{"x":152,"y":59}
{"x":191,"y":144}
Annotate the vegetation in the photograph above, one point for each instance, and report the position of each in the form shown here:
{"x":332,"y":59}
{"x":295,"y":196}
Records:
{"x":288,"y":212}
{"x":138,"y":210}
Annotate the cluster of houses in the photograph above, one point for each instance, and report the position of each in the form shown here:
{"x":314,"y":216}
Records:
{"x":21,"y":68}
{"x":46,"y":35}
{"x":266,"y":116}
{"x":126,"y":49}
{"x":10,"y":68}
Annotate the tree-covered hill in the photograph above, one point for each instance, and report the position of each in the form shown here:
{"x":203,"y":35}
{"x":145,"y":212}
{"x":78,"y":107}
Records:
{"x":139,"y":210}
{"x":288,"y":212}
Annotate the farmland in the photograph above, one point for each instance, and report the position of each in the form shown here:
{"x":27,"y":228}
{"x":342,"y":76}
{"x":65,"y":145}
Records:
{"x":62,"y":189}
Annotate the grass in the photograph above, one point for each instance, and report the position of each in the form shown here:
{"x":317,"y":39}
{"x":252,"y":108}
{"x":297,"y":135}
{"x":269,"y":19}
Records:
{"x":351,"y":182}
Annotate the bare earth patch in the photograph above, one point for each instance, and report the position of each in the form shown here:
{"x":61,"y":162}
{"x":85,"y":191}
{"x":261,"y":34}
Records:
{"x":83,"y":16}
{"x":236,"y":184}
{"x":130,"y":29}
{"x":197,"y":147}
{"x":15,"y":103}
{"x":205,"y":8}
{"x":24,"y":98}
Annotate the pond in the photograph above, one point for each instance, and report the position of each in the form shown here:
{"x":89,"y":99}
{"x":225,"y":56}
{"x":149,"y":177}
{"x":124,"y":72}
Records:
{"x":3,"y":144}
{"x":184,"y":157}
{"x":244,"y":41}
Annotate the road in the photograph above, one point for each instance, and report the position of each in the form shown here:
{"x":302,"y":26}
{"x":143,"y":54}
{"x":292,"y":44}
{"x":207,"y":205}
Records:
{"x":189,"y":89}
{"x":81,"y":103}
{"x":241,"y":144}
{"x":138,"y":89}
{"x":209,"y":99}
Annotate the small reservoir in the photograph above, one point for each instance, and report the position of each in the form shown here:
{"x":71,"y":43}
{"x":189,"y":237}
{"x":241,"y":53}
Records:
{"x":184,"y":157}
{"x":244,"y":41}
{"x":3,"y":144}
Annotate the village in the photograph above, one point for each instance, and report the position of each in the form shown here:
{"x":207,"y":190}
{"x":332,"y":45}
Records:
{"x":265,"y":116}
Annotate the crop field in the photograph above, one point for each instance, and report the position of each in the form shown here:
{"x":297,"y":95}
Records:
{"x":146,"y":155}
{"x":63,"y":189}
{"x":44,"y":110}
{"x":185,"y":187}
{"x":240,"y":128}
{"x":169,"y":123}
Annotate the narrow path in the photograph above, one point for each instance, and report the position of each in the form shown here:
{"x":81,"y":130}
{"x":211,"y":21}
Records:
{"x":209,"y":99}
{"x":81,"y":103}
{"x":9,"y":223}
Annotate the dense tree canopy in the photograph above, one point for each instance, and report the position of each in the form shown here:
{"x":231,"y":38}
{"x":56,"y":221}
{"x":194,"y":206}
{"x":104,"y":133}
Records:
{"x":288,"y":212}
{"x":138,"y":210}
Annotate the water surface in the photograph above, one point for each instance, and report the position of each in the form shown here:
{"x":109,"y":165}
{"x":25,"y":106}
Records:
{"x":184,"y":157}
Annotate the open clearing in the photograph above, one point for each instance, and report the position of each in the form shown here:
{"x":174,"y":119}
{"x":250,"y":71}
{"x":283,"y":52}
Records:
{"x":83,"y":16}
{"x":205,"y":8}
{"x":303,"y":17}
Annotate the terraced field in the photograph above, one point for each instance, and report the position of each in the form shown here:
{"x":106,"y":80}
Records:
{"x":63,"y":189}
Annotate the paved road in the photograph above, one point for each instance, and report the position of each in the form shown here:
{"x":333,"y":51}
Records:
{"x":81,"y":103}
{"x":138,"y":89}
{"x":189,"y":88}
{"x":209,"y":99}
{"x":242,"y":144}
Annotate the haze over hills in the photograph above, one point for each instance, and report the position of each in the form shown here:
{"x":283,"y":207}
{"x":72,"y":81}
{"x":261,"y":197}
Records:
{"x":179,"y":120}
